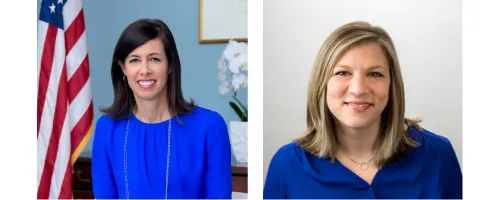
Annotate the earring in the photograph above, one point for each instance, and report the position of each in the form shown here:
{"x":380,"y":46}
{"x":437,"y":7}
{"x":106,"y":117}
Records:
{"x":124,"y":78}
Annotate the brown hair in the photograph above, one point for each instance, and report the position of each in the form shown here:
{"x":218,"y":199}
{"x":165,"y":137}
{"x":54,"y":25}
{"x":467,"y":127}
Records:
{"x":319,"y":137}
{"x":135,"y":35}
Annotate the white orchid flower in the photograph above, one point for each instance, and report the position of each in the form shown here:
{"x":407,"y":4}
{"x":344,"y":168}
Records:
{"x":233,"y":61}
{"x":224,"y":87}
{"x":238,"y":63}
{"x":231,"y":50}
{"x":239,"y":80}
{"x":222,"y":64}
{"x":235,"y":49}
{"x":243,"y":59}
{"x":222,"y":77}
{"x":234,"y":66}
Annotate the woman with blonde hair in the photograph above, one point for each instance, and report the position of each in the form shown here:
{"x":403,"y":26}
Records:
{"x":358,"y":143}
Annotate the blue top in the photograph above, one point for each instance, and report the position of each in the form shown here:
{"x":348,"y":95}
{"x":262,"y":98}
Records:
{"x":430,"y":170}
{"x":200,"y":157}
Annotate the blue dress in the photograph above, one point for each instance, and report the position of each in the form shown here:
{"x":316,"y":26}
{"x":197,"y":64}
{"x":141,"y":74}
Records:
{"x":200,"y":158}
{"x":430,"y":170}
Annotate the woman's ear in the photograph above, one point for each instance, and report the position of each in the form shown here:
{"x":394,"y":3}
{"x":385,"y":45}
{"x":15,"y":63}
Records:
{"x":122,"y":66}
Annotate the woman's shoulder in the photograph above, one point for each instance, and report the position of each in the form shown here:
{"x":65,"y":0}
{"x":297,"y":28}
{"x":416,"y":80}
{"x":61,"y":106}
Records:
{"x":107,"y":120}
{"x":103,"y":130}
{"x":429,"y":139}
{"x":201,"y":118}
{"x":104,"y":121}
{"x":289,"y":148}
{"x":439,"y":153}
{"x":201,"y":114}
{"x":287,"y":153}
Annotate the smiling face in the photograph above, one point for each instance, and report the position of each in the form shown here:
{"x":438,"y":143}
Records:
{"x":358,"y":90}
{"x":146,"y":70}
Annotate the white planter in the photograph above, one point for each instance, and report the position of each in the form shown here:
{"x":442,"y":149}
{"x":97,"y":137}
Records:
{"x":239,"y":140}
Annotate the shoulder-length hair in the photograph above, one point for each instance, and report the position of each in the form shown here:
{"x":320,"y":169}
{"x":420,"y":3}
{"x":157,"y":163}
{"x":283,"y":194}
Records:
{"x":319,"y":137}
{"x":135,"y":35}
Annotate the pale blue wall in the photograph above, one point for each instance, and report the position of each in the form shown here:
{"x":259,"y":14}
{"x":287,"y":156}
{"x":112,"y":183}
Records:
{"x":106,"y":19}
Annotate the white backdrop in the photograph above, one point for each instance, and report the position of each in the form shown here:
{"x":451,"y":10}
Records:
{"x":428,"y":39}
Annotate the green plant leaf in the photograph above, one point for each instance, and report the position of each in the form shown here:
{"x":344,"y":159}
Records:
{"x":238,"y":101}
{"x":238,"y":111}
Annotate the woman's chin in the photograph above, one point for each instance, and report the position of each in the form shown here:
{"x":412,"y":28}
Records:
{"x":356,"y":124}
{"x":147,"y":96}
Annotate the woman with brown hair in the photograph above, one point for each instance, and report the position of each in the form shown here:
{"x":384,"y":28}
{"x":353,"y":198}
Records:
{"x":358,"y":143}
{"x":152,"y":143}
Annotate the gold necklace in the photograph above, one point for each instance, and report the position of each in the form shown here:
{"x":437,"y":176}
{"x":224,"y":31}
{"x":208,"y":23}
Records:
{"x":363,"y":166}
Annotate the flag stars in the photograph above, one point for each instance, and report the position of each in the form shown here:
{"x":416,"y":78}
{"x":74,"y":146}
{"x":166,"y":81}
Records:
{"x":59,"y":1}
{"x":52,"y":8}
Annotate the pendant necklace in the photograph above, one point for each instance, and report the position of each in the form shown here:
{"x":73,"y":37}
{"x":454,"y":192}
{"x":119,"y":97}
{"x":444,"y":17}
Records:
{"x":363,"y":166}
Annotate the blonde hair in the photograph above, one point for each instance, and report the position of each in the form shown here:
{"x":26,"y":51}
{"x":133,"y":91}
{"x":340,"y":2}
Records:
{"x":319,"y":137}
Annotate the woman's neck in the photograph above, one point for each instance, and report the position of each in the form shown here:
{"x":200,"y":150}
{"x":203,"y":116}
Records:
{"x":152,"y":111}
{"x":358,"y":143}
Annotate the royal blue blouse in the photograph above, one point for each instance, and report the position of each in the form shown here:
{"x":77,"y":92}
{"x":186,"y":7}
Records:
{"x":200,"y":158}
{"x":429,"y":171}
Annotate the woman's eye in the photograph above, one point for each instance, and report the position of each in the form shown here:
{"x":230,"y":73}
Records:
{"x":342,"y":73}
{"x":376,"y":74}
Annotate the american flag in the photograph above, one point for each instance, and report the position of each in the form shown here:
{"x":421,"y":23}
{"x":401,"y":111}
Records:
{"x":65,"y":111}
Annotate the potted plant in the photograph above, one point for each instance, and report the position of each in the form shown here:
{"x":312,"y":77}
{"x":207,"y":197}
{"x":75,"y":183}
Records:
{"x":233,"y":66}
